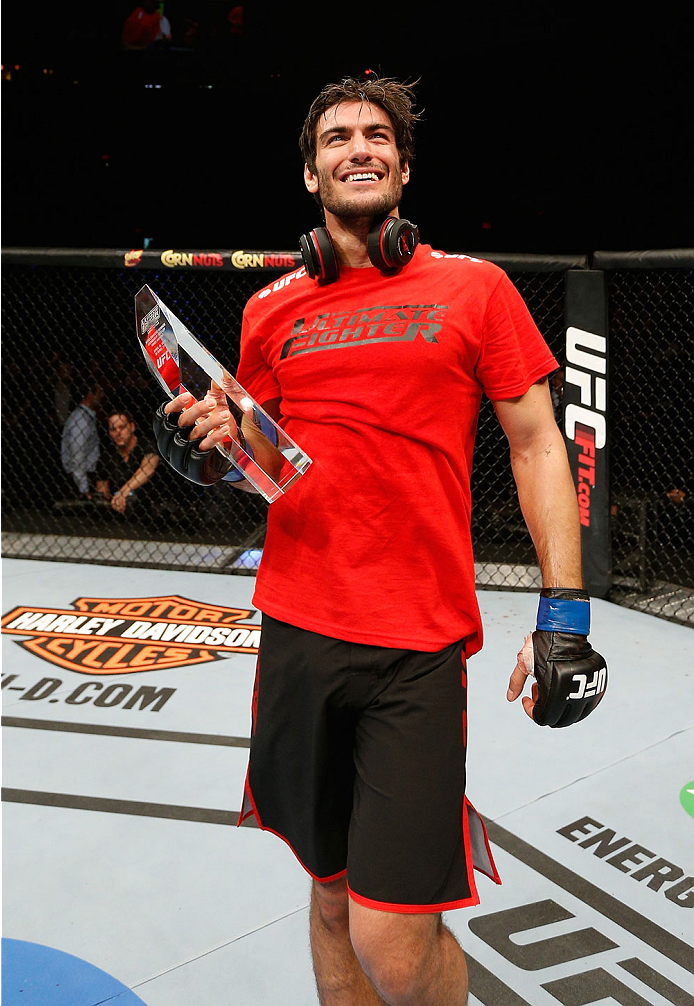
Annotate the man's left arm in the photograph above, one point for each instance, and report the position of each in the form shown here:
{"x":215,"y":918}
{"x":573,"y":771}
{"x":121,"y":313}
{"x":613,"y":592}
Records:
{"x":570,"y":677}
{"x":143,"y":474}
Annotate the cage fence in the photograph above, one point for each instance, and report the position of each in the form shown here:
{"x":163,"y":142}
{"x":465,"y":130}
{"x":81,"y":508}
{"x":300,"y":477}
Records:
{"x":69,"y":330}
{"x":651,"y":447}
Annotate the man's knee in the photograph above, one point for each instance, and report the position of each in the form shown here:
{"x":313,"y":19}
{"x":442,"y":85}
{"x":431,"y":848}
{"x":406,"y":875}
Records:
{"x":331,"y":901}
{"x":396,"y":952}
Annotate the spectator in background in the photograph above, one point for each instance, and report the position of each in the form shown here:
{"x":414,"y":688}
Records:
{"x":164,"y":34}
{"x":80,"y":446}
{"x":141,"y":27}
{"x":129,"y":466}
{"x":235,"y":19}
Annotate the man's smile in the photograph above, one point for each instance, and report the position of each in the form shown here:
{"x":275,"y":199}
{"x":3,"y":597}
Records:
{"x":360,"y":177}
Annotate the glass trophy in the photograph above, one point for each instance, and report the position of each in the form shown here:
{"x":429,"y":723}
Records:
{"x":181,"y":363}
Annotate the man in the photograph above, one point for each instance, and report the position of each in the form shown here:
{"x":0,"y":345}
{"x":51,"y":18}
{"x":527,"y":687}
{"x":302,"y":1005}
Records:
{"x":367,"y":578}
{"x":129,"y":467}
{"x":141,"y":27}
{"x":79,"y":446}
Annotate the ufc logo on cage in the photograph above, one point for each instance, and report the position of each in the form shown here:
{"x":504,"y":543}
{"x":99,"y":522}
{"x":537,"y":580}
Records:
{"x":593,"y":388}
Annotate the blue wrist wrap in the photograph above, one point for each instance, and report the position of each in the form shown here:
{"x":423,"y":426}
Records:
{"x":270,"y":432}
{"x":560,"y":615}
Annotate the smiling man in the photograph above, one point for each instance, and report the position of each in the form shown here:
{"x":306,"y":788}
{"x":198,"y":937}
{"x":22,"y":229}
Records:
{"x":361,"y":186}
{"x":374,"y":356}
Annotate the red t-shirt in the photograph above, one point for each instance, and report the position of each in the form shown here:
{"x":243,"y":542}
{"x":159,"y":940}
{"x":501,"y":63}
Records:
{"x":381,"y":380}
{"x":140,"y":28}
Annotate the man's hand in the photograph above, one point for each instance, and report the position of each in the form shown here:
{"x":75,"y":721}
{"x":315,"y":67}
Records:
{"x":570,"y":677}
{"x":188,"y":432}
{"x":208,"y":421}
{"x":525,"y":667}
{"x":119,"y":501}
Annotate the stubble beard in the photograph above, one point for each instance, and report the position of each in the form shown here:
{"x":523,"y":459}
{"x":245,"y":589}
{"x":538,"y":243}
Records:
{"x":352,"y":209}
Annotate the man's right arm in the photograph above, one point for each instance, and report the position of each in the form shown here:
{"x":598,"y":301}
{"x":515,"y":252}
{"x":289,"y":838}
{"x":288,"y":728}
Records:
{"x":74,"y":452}
{"x":207,"y":422}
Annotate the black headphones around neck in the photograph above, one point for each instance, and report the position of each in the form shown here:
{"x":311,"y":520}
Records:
{"x":390,"y":246}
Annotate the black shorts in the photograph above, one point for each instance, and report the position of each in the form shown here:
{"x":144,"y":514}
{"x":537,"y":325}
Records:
{"x":358,"y":762}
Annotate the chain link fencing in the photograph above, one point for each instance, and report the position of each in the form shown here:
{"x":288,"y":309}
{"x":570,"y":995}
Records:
{"x":504,"y":551}
{"x":69,"y":329}
{"x":651,"y":445}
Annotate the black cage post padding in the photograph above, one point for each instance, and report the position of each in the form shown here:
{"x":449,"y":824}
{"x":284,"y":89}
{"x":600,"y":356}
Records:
{"x":585,"y":419}
{"x":517,"y":262}
{"x":656,"y":258}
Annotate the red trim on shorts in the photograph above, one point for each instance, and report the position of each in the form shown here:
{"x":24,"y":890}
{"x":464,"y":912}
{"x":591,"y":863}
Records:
{"x":445,"y":906}
{"x":464,"y":682}
{"x":386,"y":906}
{"x":254,"y":811}
{"x":254,"y":699}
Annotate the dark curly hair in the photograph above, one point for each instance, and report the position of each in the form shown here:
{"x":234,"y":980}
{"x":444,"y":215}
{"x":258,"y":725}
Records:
{"x":393,"y":96}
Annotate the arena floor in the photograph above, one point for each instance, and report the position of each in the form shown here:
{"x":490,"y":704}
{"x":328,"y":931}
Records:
{"x":126,"y":880}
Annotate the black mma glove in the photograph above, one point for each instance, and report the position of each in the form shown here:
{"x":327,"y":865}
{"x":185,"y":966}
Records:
{"x":571,"y":677}
{"x":202,"y":467}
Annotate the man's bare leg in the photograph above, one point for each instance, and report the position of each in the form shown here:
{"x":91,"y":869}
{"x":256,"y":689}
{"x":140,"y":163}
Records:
{"x":410,"y":959}
{"x":339,"y":975}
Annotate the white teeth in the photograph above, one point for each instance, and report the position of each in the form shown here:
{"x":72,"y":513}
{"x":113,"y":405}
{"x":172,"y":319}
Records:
{"x":363,"y":176}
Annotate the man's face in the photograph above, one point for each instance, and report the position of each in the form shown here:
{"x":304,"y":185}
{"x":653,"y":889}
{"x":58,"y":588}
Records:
{"x":358,"y":171}
{"x":121,"y":430}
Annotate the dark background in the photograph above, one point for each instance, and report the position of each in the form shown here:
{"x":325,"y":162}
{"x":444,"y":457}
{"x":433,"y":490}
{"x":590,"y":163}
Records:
{"x":541,"y":132}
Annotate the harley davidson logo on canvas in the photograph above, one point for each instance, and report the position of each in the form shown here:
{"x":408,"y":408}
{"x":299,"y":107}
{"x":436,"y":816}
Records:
{"x":124,"y":635}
